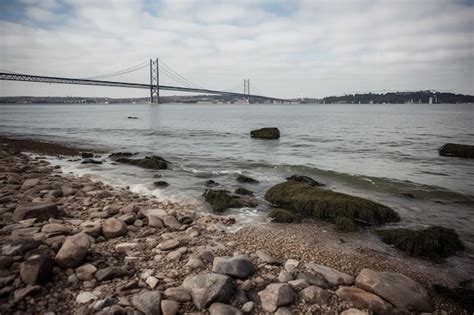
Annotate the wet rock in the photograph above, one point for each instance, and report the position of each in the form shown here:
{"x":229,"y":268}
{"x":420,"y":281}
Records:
{"x":161,"y":183}
{"x":221,"y":200}
{"x":363,"y":299}
{"x":207,"y":288}
{"x":305,"y":179}
{"x":148,"y":302}
{"x":20,"y":294}
{"x":110,"y":273}
{"x":267,"y":258}
{"x":332,"y":276}
{"x":238,"y":267}
{"x":396,"y":288}
{"x":276,"y":295}
{"x":315,"y":295}
{"x":90,"y":161}
{"x":169,"y":307}
{"x":85,"y":297}
{"x":177,"y":294}
{"x":268,"y":133}
{"x":112,"y":227}
{"x":457,"y":150}
{"x":243,"y":191}
{"x":279,"y":215}
{"x":73,"y":251}
{"x":168,"y":244}
{"x":223,"y":309}
{"x":246,"y":179}
{"x":87,"y":155}
{"x":211,"y":183}
{"x":40,"y":211}
{"x":149,"y":162}
{"x":325,"y":204}
{"x":92,"y":228}
{"x":38,"y":269}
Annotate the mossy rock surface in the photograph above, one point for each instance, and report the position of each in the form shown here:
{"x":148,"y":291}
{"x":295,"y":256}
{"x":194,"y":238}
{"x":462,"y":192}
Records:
{"x":149,"y":162}
{"x":306,"y":180}
{"x":344,"y":224}
{"x":279,"y":215}
{"x":327,"y":205}
{"x":221,"y":199}
{"x":462,"y":294}
{"x":246,"y":179}
{"x":433,"y":242}
{"x":243,"y":191}
{"x":458,"y":150}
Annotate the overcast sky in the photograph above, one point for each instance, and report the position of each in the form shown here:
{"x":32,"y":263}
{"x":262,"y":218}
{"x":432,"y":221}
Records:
{"x":286,"y":48}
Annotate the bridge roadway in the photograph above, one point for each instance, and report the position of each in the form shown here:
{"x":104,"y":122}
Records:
{"x":59,"y":80}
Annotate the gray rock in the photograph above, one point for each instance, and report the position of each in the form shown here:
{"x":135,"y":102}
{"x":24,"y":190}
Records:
{"x":283,"y":311}
{"x":317,"y":280}
{"x":73,"y":251}
{"x":315,"y":295}
{"x":396,"y":288}
{"x":285,"y":276}
{"x":169,"y":307}
{"x":267,"y":258}
{"x":363,"y":299}
{"x":168,"y":244}
{"x":239,"y":266}
{"x":298,"y":284}
{"x":248,"y":307}
{"x":223,"y":309}
{"x":177,"y":294}
{"x":109,"y":273}
{"x":40,"y":211}
{"x":332,"y":276}
{"x":85,"y":297}
{"x":207,"y":288}
{"x":92,"y":228}
{"x":38,"y":269}
{"x":18,"y":247}
{"x":55,"y":228}
{"x":276,"y":295}
{"x":170,"y":222}
{"x":155,"y":221}
{"x":113,"y":228}
{"x":353,"y":311}
{"x":268,"y":133}
{"x":20,"y":294}
{"x":148,"y":302}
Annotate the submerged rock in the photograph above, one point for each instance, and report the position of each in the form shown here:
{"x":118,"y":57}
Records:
{"x":149,"y":162}
{"x":221,"y":200}
{"x":327,"y":205}
{"x":431,"y":242}
{"x":211,"y":183}
{"x":243,"y":191}
{"x":90,"y":161}
{"x":268,"y":133}
{"x":457,"y":150}
{"x":462,"y":294}
{"x":118,"y":155}
{"x":246,"y":179}
{"x":305,"y":179}
{"x":282,"y":216}
{"x":161,"y":183}
{"x":87,"y":155}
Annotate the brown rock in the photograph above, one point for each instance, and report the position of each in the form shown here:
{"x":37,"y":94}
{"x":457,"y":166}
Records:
{"x":113,"y":228}
{"x":38,"y":269}
{"x":73,"y":251}
{"x":315,"y":295}
{"x":40,"y":211}
{"x":363,"y":299}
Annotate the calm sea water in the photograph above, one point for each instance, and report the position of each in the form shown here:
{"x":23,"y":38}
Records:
{"x":377,"y":151}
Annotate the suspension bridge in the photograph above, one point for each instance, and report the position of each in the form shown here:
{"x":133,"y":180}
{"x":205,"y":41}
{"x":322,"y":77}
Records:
{"x":157,"y":70}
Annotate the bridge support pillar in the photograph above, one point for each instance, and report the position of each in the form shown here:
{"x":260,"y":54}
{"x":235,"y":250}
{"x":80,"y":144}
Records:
{"x":154,"y":81}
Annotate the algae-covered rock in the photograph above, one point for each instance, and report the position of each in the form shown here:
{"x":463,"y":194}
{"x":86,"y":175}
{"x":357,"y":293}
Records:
{"x":458,"y":150}
{"x":118,"y":155}
{"x":462,"y":294}
{"x":221,"y":199}
{"x":327,"y":205}
{"x":432,"y":242}
{"x":265,"y":133}
{"x":150,"y":162}
{"x":305,"y":179}
{"x":243,"y":191}
{"x":282,"y":216}
{"x":246,"y":179}
{"x":344,"y":224}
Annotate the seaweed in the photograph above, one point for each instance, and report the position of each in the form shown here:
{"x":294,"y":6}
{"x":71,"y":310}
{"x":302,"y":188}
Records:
{"x":463,"y":294}
{"x":279,"y":215}
{"x":327,"y":205}
{"x":432,"y":242}
{"x":344,"y":224}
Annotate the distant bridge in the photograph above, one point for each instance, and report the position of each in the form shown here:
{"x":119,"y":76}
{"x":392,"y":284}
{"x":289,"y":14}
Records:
{"x":153,"y":86}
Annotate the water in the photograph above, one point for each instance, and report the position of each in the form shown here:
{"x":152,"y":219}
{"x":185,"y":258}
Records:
{"x":375,"y":151}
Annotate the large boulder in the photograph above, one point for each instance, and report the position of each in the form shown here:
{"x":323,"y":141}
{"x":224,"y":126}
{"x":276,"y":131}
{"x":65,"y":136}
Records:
{"x":73,"y":251}
{"x":268,"y":133}
{"x":113,"y":228}
{"x":333,"y":277}
{"x":431,"y":242}
{"x":41,"y":211}
{"x":38,"y":269}
{"x":396,"y":288}
{"x":326,"y":204}
{"x":363,"y":299}
{"x":149,"y":162}
{"x":207,"y":288}
{"x":221,"y":200}
{"x":148,"y":302}
{"x":458,"y":150}
{"x":276,"y":295}
{"x":238,"y":267}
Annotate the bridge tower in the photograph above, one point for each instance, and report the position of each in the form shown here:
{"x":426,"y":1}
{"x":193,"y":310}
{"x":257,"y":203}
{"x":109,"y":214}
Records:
{"x":247,"y":89}
{"x":154,"y":81}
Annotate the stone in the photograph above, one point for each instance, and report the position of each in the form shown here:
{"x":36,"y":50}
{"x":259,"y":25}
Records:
{"x":103,"y":303}
{"x":73,"y":251}
{"x":205,"y":255}
{"x":126,"y":247}
{"x":41,"y":211}
{"x":207,"y":288}
{"x":177,"y":294}
{"x":112,"y":228}
{"x":220,"y":200}
{"x":148,"y":302}
{"x":248,"y":307}
{"x":268,"y":133}
{"x":457,"y":150}
{"x":317,"y":280}
{"x":20,"y":294}
{"x":332,"y":276}
{"x":283,"y":311}
{"x":246,"y":179}
{"x":170,"y":222}
{"x":85,"y":297}
{"x":285,"y":276}
{"x":18,"y":247}
{"x":155,"y":221}
{"x":223,"y":309}
{"x":128,"y":218}
{"x":315,"y":295}
{"x":110,"y":273}
{"x":298,"y":284}
{"x":29,"y":183}
{"x":305,"y":179}
{"x":275,"y":295}
{"x":363,"y":299}
{"x":174,"y":255}
{"x":92,"y":228}
{"x":168,"y":244}
{"x":5,"y":262}
{"x":169,"y":307}
{"x":291,"y":265}
{"x":56,"y":229}
{"x":38,"y":269}
{"x":195,"y":263}
{"x":152,"y":282}
{"x":353,"y":311}
{"x":267,"y":258}
{"x":85,"y":272}
{"x":239,"y":266}
{"x":396,"y":288}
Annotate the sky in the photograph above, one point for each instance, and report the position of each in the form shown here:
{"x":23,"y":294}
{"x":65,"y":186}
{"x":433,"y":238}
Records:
{"x":287,"y":48}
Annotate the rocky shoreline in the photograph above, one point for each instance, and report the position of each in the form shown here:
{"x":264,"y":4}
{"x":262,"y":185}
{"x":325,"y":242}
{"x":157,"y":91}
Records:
{"x":72,"y":245}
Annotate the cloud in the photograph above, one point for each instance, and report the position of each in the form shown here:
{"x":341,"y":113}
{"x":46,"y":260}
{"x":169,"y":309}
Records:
{"x":285,"y":47}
